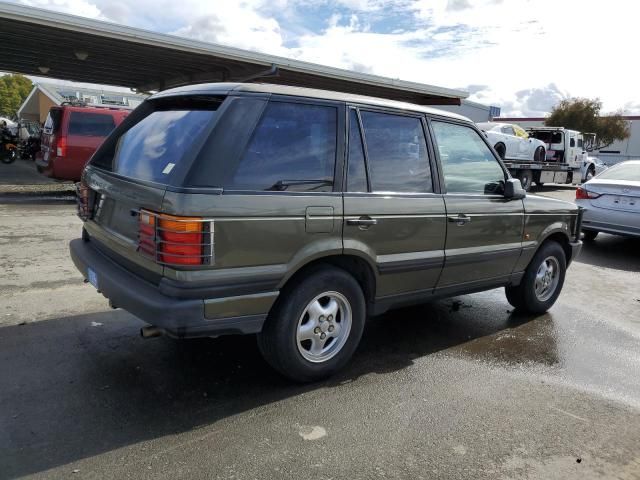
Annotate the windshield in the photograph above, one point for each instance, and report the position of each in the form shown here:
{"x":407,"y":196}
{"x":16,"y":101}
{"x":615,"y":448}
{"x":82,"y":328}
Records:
{"x":622,"y":171}
{"x":152,"y":148}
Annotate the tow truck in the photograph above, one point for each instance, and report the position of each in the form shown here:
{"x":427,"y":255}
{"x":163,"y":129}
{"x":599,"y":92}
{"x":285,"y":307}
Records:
{"x":566,"y":160}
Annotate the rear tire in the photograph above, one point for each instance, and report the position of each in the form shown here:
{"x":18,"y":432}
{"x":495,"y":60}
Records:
{"x":542,"y":282}
{"x":501,"y":149}
{"x":539,"y":155}
{"x":590,"y":235}
{"x":315,"y":326}
{"x":526,"y":178}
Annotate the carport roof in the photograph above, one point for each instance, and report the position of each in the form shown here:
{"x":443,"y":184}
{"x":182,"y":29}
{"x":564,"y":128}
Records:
{"x":32,"y":38}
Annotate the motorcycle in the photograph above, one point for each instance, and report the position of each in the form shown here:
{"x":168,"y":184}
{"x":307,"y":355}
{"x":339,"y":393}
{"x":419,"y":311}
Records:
{"x":8,"y":146}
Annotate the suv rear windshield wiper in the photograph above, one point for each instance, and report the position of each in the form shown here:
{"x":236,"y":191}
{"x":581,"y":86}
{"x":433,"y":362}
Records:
{"x":282,"y":185}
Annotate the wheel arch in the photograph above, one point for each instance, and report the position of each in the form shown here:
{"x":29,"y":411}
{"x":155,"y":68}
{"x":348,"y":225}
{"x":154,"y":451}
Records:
{"x":355,"y":265}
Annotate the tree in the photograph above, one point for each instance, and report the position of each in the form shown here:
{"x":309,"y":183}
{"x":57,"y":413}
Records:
{"x":583,"y":114}
{"x":13,"y":91}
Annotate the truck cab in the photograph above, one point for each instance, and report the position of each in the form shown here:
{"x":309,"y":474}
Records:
{"x":562,"y":145}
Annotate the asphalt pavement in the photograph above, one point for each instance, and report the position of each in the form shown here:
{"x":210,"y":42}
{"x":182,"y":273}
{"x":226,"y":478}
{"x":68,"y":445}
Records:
{"x":460,"y":388}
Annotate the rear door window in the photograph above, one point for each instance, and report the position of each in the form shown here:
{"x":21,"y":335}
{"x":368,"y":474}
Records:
{"x":396,"y":152}
{"x":152,"y":148}
{"x":87,"y":124}
{"x":293,"y":148}
{"x":52,"y":123}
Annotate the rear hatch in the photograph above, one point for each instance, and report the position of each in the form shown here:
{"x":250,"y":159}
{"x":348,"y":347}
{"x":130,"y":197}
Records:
{"x":86,"y":130}
{"x":619,"y":195}
{"x":129,"y":175}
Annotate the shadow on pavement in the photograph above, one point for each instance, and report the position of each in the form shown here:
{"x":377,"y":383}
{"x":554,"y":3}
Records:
{"x":76,"y":387}
{"x":612,"y":251}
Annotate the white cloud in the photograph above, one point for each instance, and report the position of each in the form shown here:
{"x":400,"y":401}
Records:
{"x":75,"y":7}
{"x":238,"y":25}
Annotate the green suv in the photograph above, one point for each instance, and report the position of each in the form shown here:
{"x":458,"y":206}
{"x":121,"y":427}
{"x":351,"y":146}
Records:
{"x":295,"y":214}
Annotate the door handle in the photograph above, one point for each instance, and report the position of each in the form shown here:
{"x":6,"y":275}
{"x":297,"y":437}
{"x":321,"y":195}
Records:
{"x":362,"y":221}
{"x":460,"y":219}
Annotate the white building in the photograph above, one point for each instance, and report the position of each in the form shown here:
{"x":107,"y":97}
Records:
{"x":616,"y":152}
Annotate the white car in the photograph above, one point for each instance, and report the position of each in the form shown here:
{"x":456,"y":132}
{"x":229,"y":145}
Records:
{"x":512,"y":142}
{"x":598,"y":165}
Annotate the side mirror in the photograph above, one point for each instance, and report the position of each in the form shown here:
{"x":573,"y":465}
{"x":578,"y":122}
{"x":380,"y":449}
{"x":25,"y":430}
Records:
{"x":513,"y":189}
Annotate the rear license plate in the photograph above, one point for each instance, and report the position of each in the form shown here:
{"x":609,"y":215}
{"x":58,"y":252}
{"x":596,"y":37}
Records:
{"x":93,"y":277}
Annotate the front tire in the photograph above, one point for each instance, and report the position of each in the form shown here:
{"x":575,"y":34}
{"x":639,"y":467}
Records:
{"x":542,"y":282}
{"x":539,"y":155}
{"x":590,"y":235}
{"x":501,"y":149}
{"x":316,"y":325}
{"x":590,"y":174}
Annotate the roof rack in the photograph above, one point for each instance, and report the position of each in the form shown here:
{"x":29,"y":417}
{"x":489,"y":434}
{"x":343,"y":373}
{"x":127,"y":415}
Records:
{"x":82,"y":103}
{"x":75,"y":103}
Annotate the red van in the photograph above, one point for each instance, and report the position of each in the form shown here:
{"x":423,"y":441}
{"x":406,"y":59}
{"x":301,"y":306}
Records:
{"x":71,"y":133}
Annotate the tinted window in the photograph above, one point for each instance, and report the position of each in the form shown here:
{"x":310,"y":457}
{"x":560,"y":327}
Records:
{"x":397,"y":153}
{"x":580,"y":143}
{"x":87,"y":124}
{"x":572,"y":142}
{"x":152,"y":147}
{"x":52,"y":122}
{"x":356,"y":172}
{"x":292,"y":149}
{"x":467,"y":163}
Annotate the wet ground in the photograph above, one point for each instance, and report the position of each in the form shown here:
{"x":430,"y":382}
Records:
{"x":461,"y":388}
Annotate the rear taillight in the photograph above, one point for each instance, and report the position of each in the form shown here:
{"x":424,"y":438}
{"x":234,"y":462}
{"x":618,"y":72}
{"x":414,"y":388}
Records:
{"x":61,"y":147}
{"x":83,"y":200}
{"x":173,"y":240}
{"x":583,"y":194}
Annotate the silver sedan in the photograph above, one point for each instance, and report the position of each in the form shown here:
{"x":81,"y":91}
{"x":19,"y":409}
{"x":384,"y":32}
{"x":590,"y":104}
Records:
{"x":612,"y":201}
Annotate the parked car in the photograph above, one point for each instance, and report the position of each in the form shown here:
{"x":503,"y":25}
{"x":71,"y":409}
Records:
{"x":611,"y":201}
{"x":598,"y":165}
{"x":296,"y":213}
{"x":512,"y":142}
{"x":71,"y":134}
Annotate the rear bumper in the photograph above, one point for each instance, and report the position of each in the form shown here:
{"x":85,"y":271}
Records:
{"x":60,"y":168}
{"x":179,"y":317}
{"x":609,"y":221}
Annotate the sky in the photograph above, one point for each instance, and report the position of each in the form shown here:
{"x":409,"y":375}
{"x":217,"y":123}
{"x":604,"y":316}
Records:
{"x":521,"y":55}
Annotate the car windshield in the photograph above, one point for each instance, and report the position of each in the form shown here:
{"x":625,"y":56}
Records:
{"x":623,"y":171}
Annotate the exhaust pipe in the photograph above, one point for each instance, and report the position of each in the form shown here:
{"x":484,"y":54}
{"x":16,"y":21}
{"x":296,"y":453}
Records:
{"x":150,"y":331}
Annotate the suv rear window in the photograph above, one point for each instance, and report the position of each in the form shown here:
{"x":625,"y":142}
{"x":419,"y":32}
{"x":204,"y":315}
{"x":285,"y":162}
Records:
{"x":87,"y":124}
{"x":52,"y":123}
{"x":151,"y":148}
